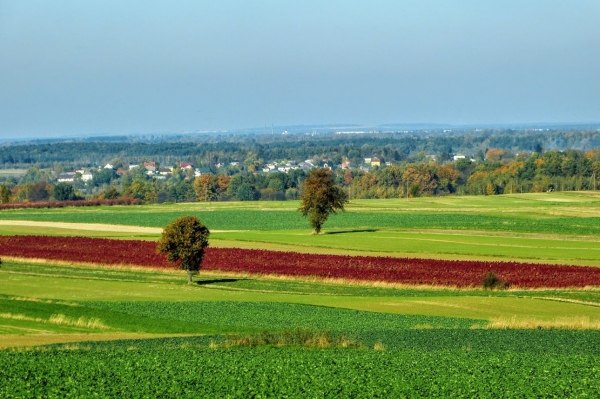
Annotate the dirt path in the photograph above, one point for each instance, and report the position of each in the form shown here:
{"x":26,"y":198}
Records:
{"x":83,"y":226}
{"x":94,"y":227}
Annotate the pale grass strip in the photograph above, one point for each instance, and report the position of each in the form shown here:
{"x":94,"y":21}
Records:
{"x":60,"y":319}
{"x":563,"y":323}
{"x":576,"y":301}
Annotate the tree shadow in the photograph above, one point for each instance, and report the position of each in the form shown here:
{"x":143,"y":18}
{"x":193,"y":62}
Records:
{"x":219,"y":280}
{"x":352,"y":231}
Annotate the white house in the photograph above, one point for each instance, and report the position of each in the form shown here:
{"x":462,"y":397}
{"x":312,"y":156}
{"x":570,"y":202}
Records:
{"x":66,"y":177}
{"x":458,"y":156}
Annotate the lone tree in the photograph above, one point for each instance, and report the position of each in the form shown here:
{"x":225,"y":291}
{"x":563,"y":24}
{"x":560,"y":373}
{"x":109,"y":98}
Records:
{"x":320,"y":197}
{"x":185,"y":240}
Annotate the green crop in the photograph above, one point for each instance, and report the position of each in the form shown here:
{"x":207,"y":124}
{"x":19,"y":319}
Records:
{"x":149,"y":370}
{"x":260,"y":316}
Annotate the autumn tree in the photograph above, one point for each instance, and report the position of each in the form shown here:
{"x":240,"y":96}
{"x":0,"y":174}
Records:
{"x":422,"y":176}
{"x":40,"y":191}
{"x":185,"y":240}
{"x":320,"y":197}
{"x":207,"y":187}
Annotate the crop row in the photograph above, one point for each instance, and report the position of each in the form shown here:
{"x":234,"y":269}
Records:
{"x":184,"y":372}
{"x":78,"y":203}
{"x":397,"y":270}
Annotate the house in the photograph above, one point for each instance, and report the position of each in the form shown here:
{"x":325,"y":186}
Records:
{"x":121,"y":171}
{"x":375,"y":162}
{"x":201,"y":171}
{"x":186,"y":165}
{"x":367,"y":160}
{"x":458,"y":156}
{"x":66,"y":177}
{"x":108,"y":166}
{"x":165,"y":171}
{"x":234,"y":163}
{"x":150,"y":166}
{"x":87,"y":176}
{"x":133,"y":166}
{"x":346,"y":165}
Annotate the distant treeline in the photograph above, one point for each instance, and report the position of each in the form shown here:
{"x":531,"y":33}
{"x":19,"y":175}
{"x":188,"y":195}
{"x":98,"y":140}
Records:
{"x":258,"y":149}
{"x":500,"y":172}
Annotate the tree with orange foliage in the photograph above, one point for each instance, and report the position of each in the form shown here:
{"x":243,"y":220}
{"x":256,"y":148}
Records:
{"x":207,"y":187}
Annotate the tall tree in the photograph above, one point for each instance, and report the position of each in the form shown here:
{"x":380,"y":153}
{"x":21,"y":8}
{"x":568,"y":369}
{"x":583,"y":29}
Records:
{"x":64,"y":192}
{"x":185,"y":240}
{"x":207,"y":187}
{"x":320,"y":197}
{"x":4,"y":195}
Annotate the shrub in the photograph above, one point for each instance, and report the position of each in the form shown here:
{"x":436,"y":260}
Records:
{"x":491,"y":281}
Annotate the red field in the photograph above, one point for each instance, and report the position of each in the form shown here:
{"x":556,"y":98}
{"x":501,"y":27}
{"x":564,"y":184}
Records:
{"x":397,"y":270}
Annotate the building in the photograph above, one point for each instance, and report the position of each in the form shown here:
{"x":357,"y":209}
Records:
{"x":150,"y":166}
{"x":66,"y":177}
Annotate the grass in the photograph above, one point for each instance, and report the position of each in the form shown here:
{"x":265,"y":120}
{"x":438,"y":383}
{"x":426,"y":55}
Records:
{"x":561,"y":228}
{"x":42,"y":298}
{"x":13,"y":172}
{"x":74,"y":330}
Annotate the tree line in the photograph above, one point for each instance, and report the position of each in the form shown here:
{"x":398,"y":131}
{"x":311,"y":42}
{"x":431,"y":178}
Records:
{"x":253,"y":151}
{"x":499,"y":172}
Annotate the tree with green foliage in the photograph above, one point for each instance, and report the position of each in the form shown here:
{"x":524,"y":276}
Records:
{"x":185,"y":240}
{"x":245,"y":192}
{"x":64,"y":192}
{"x":320,"y":197}
{"x":4,"y":194}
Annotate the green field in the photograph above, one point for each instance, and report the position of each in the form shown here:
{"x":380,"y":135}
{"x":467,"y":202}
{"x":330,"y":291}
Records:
{"x":429,"y":342}
{"x":82,"y":331}
{"x":547,"y":227}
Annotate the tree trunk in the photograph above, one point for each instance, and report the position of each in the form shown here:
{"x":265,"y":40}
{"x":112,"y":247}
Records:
{"x":190,"y":274}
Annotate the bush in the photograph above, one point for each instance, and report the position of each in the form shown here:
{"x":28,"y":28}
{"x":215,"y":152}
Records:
{"x":491,"y":281}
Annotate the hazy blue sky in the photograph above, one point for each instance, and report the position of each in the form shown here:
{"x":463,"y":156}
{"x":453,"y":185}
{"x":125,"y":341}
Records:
{"x":95,"y":67}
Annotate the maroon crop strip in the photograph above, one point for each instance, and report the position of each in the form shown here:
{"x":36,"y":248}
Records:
{"x":367,"y":268}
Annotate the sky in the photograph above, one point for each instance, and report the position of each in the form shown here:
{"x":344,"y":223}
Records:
{"x":72,"y":67}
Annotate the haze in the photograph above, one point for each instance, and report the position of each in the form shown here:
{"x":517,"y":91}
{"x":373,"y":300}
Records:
{"x":104,"y":67}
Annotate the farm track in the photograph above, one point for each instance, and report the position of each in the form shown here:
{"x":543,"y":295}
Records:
{"x":121,"y":228}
